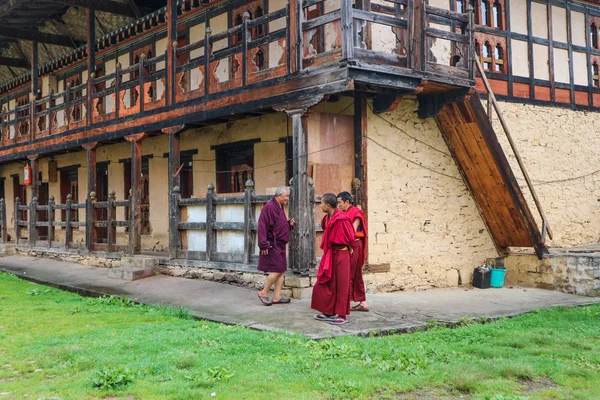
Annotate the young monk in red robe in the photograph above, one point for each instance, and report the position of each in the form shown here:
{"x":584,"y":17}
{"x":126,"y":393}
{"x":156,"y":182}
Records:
{"x":331,"y":293}
{"x":359,"y":256}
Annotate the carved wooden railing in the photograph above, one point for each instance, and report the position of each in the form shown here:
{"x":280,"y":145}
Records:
{"x":33,"y":217}
{"x":405,"y":34}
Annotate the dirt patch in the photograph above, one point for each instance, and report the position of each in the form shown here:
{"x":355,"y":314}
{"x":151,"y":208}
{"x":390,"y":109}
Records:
{"x":536,"y":385}
{"x":421,"y":395}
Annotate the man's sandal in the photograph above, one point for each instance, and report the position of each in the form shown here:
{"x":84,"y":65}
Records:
{"x":359,"y":307}
{"x":264,"y":299}
{"x":282,"y":300}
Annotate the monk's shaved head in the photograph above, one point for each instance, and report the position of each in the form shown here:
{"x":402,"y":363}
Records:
{"x":329,"y":199}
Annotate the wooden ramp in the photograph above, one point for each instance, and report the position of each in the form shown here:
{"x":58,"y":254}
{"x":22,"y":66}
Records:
{"x":486,"y":171}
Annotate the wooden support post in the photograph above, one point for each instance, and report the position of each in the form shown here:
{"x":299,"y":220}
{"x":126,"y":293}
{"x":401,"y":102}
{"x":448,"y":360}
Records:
{"x":34,"y":87}
{"x":211,"y":216}
{"x":3,"y":233}
{"x":90,"y":219}
{"x":303,"y":208}
{"x":360,"y":127}
{"x":174,"y":185}
{"x":246,"y":37}
{"x":91,"y":164}
{"x":91,"y":61}
{"x":35,"y":175}
{"x":417,"y":38}
{"x":174,"y":218}
{"x":66,"y":101}
{"x":248,"y":220}
{"x":295,"y":35}
{"x":207,"y":56}
{"x":135,"y":228}
{"x":171,"y":45}
{"x":51,"y":218}
{"x":68,"y":221}
{"x":117,"y":89}
{"x":111,"y":216}
{"x":141,"y":81}
{"x":33,"y":221}
{"x":17,"y":217}
{"x":347,"y":29}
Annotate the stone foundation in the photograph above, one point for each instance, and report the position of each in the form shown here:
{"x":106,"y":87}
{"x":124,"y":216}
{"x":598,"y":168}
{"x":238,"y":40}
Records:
{"x":293,"y":286}
{"x":94,"y":260}
{"x":569,"y":273}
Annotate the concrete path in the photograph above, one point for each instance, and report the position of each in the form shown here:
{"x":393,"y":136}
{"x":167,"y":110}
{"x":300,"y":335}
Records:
{"x":398,"y":312}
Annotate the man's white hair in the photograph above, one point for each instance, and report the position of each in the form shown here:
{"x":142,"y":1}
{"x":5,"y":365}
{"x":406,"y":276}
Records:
{"x":281,"y":190}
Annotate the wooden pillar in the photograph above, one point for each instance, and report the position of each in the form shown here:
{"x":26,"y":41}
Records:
{"x":174,"y":181}
{"x":360,"y":161}
{"x":416,"y":35}
{"x":91,"y":60}
{"x":3,"y":233}
{"x":33,"y":221}
{"x":91,"y":233}
{"x":34,"y":88}
{"x":135,"y":212}
{"x":90,"y":149}
{"x":303,"y":208}
{"x":35,"y":172}
{"x":171,"y":47}
{"x":347,"y":29}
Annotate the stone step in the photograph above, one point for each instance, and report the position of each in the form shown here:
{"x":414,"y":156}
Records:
{"x":131,"y":274}
{"x":134,"y":268}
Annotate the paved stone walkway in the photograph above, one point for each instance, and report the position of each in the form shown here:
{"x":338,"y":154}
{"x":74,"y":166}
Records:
{"x":397,"y":312}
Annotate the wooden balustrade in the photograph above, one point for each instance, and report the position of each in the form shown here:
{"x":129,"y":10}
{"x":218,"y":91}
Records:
{"x":308,"y":39}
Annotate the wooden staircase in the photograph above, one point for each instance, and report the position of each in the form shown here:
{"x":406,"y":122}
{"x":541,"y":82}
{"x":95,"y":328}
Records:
{"x":474,"y":145}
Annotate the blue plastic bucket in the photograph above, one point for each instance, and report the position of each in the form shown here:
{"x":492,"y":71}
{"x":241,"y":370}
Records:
{"x":497,"y":277}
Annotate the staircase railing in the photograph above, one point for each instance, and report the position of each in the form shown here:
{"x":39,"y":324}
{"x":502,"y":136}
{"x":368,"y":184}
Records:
{"x":492,"y":98}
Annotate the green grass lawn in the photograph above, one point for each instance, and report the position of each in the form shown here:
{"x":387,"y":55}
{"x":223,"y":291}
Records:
{"x":58,"y":344}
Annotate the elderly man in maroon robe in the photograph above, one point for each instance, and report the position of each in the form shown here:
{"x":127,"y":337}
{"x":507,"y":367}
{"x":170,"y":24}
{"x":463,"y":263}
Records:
{"x":357,"y":284}
{"x":331,"y":293}
{"x":273,"y":235}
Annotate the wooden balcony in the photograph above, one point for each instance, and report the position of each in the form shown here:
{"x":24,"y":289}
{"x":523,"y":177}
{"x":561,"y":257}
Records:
{"x":399,"y":47}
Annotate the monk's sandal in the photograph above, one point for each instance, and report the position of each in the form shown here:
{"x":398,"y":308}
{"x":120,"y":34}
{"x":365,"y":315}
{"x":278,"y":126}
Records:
{"x":338,"y":321}
{"x":323,"y":317}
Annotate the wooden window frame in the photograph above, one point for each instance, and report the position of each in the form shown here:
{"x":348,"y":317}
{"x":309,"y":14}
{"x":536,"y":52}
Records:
{"x":228,"y":167}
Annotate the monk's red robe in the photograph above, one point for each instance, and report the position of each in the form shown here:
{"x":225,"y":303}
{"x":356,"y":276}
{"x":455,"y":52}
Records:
{"x":273,"y":235}
{"x":359,"y":256}
{"x":331,"y":293}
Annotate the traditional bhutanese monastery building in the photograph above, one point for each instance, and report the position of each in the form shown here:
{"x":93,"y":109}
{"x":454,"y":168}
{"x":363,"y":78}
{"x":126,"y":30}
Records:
{"x":465,"y":131}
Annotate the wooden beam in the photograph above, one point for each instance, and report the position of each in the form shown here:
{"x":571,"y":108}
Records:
{"x":134,"y":8}
{"x":108,"y":6}
{"x":91,"y":60}
{"x":26,"y":34}
{"x":14,"y":62}
{"x":171,"y":42}
{"x":9,"y":6}
{"x":174,"y":182}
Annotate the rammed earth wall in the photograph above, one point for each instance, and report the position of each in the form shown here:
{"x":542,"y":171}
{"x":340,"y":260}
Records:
{"x":423,"y":221}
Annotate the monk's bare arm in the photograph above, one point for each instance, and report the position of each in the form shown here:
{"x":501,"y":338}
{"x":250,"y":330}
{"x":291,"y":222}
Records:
{"x":356,"y":224}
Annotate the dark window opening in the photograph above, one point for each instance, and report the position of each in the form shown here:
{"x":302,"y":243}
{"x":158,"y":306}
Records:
{"x":485,"y":13}
{"x":145,"y":200}
{"x":69,"y":186}
{"x":186,"y":176}
{"x":235,"y":165}
{"x":102,"y":195}
{"x":259,"y":60}
{"x":259,"y":30}
{"x":499,"y":59}
{"x":594,"y":36}
{"x":595,"y":75}
{"x":487,"y":56}
{"x":497,"y":15}
{"x":20,"y":191}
